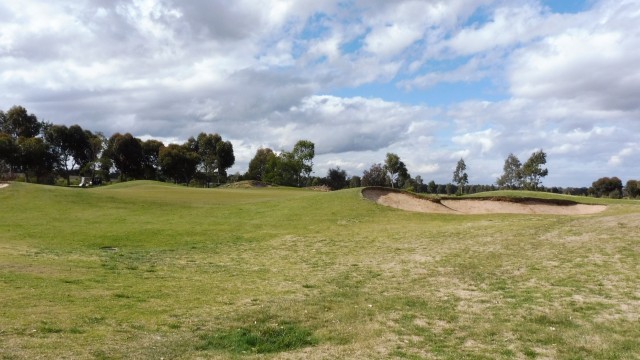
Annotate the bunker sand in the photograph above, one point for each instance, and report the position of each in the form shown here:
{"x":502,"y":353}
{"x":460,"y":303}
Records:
{"x":409,"y":202}
{"x":3,"y":185}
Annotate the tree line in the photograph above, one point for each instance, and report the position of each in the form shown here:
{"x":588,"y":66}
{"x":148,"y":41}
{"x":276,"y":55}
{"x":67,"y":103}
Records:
{"x":44,"y":152}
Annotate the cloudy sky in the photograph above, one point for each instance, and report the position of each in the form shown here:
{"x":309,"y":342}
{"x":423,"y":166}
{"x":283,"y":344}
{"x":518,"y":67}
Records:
{"x":430,"y":80}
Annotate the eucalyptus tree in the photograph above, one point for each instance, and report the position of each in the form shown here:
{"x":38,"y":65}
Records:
{"x":258,"y":165}
{"x":396,"y":169}
{"x":532,"y":170}
{"x":205,"y":145}
{"x":179,"y":162}
{"x":8,"y":154}
{"x":224,"y":159}
{"x":376,"y":175}
{"x":632,"y":188}
{"x":18,"y":122}
{"x":35,"y":158}
{"x":460,"y":176}
{"x":126,"y":153}
{"x":151,"y":159}
{"x":70,"y":146}
{"x":512,"y":176}
{"x":337,"y":179}
{"x":302,"y":156}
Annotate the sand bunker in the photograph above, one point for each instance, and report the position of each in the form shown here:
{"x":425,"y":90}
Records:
{"x":3,"y":185}
{"x":504,"y":205}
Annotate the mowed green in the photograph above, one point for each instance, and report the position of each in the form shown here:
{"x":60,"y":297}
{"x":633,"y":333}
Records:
{"x":150,"y":270}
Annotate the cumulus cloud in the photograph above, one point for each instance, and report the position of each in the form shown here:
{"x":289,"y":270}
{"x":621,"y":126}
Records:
{"x":593,"y":62}
{"x":269,"y":75}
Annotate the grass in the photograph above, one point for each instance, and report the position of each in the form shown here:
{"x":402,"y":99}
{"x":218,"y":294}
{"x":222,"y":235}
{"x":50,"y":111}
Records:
{"x":149,"y":270}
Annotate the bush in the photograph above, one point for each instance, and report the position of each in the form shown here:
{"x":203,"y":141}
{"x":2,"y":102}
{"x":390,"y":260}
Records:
{"x":615,"y":194}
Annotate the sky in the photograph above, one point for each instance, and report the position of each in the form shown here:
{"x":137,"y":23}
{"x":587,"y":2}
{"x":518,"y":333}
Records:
{"x":432,"y":81}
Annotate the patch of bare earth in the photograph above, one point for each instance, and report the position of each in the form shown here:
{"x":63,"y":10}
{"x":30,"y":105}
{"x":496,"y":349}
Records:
{"x":408,"y":202}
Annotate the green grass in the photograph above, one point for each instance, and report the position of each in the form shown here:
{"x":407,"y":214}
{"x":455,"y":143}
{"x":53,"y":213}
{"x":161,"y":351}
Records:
{"x":149,"y":270}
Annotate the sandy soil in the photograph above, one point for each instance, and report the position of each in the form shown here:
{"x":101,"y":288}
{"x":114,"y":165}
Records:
{"x":475,"y":206}
{"x":3,"y":185}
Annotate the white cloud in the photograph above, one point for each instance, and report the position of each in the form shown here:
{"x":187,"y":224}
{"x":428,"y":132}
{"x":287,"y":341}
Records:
{"x":512,"y":24}
{"x":474,"y":70}
{"x":269,"y":75}
{"x":482,"y":141}
{"x":594,"y":64}
{"x":619,"y":158}
{"x":390,"y":40}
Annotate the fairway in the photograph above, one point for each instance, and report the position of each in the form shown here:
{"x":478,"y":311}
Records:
{"x":153,"y":270}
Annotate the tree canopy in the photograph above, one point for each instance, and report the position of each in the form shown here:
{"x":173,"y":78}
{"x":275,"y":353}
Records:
{"x":337,"y":179}
{"x":17,"y":122}
{"x":607,"y":187}
{"x":258,"y":165}
{"x":460,"y":176}
{"x":178,"y":162}
{"x":396,"y":169}
{"x":71,"y":147}
{"x":532,"y":170}
{"x":375,"y":176}
{"x":512,"y":173}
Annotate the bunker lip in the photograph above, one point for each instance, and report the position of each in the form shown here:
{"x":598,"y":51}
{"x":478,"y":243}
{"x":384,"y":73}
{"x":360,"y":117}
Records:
{"x":488,"y":205}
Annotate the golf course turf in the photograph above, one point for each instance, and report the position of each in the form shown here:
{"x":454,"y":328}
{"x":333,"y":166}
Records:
{"x":153,"y":270}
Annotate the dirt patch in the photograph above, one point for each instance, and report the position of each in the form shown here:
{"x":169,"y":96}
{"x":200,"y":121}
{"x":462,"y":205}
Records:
{"x":410,"y":202}
{"x":246,"y":184}
{"x":3,"y":185}
{"x":323,"y":188}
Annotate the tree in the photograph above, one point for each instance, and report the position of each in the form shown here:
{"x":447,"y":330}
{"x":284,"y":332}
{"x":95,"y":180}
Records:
{"x":288,"y":168}
{"x":283,"y":169}
{"x":97,"y":145}
{"x":179,"y":162}
{"x":355,"y":182}
{"x":19,"y":123}
{"x":395,"y":168}
{"x":205,"y":146}
{"x":70,"y":147}
{"x":432,"y":188}
{"x":532,"y":171}
{"x":449,"y":189}
{"x":337,"y":179}
{"x":303,"y":153}
{"x":8,"y":153}
{"x":3,"y":120}
{"x":512,"y":173}
{"x":460,"y":176}
{"x":126,"y":153}
{"x":225,"y":158}
{"x":35,"y":158}
{"x":375,"y":176}
{"x":633,"y":188}
{"x":151,"y":159}
{"x":419,"y":183}
{"x":609,"y":187}
{"x":258,"y":165}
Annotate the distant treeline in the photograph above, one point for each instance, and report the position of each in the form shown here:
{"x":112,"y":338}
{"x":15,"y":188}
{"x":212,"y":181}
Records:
{"x":42,"y":152}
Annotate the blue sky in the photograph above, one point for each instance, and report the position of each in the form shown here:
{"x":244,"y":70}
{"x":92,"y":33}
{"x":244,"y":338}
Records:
{"x":430,"y":80}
